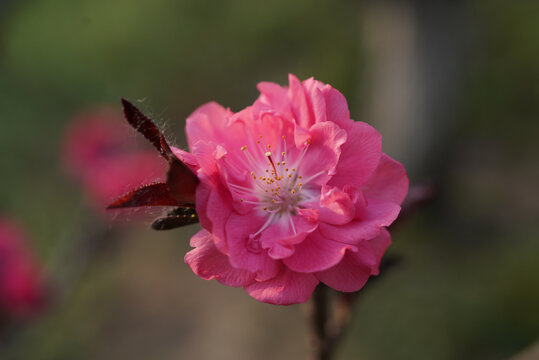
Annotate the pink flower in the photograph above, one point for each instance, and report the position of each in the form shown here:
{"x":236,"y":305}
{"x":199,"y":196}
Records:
{"x":22,"y":290}
{"x":292,"y":192}
{"x":101,"y":152}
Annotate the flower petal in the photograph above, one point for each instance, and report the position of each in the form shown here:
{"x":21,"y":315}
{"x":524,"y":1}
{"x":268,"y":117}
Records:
{"x":273,"y":97}
{"x":337,"y":107}
{"x":360,"y":155}
{"x":300,"y":104}
{"x":206,"y":123}
{"x":316,"y":253}
{"x":379,"y":245}
{"x":281,"y":237}
{"x":336,"y":206}
{"x":316,"y":99}
{"x":348,"y":275}
{"x":209,"y":263}
{"x":389,"y":181}
{"x":186,"y":157}
{"x":378,"y":214}
{"x":287,"y":288}
{"x":214,"y":207}
{"x":246,"y":253}
{"x":323,"y":152}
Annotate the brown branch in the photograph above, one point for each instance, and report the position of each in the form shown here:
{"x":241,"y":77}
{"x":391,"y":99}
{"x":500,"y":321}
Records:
{"x":329,"y":326}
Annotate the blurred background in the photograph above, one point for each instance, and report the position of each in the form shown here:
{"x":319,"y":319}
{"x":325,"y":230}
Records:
{"x":453,"y":86}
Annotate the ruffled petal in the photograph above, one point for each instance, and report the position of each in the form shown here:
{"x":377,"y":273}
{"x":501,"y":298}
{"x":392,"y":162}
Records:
{"x":206,"y":123}
{"x":281,"y":237}
{"x":322,"y":156}
{"x":360,"y":155}
{"x":336,"y":206}
{"x":337,"y":108}
{"x":316,"y":253}
{"x":316,"y":99}
{"x":379,"y":245}
{"x":273,"y":97}
{"x":300,"y":104}
{"x":214,"y":206}
{"x":287,"y":288}
{"x":187,"y":158}
{"x":349,"y":275}
{"x":209,"y":263}
{"x":389,"y":182}
{"x":246,"y":252}
{"x":378,"y":214}
{"x":204,"y":154}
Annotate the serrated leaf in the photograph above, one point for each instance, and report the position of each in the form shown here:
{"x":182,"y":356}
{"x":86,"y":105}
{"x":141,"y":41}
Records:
{"x":145,"y":126}
{"x":156,"y":194}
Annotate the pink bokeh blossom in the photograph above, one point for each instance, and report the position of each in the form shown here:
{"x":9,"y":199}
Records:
{"x":292,"y":192}
{"x":101,"y":152}
{"x":22,"y":289}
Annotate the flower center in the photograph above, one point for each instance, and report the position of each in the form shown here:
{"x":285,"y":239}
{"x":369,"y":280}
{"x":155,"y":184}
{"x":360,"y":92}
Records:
{"x":277,"y":187}
{"x":277,"y":183}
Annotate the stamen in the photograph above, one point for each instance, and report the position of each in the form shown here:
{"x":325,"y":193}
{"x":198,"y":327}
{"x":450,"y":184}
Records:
{"x":268,"y":222}
{"x":241,"y":189}
{"x":302,"y":154}
{"x":250,"y":159}
{"x":314,"y":176}
{"x":268,"y":154}
{"x":252,"y":202}
{"x":292,"y":224}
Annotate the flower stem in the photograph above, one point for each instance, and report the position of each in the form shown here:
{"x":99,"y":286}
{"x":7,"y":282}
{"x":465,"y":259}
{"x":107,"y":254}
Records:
{"x":328,"y":326}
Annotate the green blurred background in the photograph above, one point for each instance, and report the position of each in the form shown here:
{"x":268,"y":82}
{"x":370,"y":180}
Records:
{"x":453,"y":87}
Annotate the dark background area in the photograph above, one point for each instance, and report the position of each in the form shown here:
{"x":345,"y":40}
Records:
{"x":452,"y":86}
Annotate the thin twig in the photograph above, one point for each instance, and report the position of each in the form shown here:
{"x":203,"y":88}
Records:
{"x":328,"y":327}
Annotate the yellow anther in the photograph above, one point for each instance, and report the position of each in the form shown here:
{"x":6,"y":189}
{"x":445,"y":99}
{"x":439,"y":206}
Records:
{"x":260,"y":136}
{"x":267,"y":170}
{"x":293,"y":169}
{"x":286,"y":169}
{"x":241,"y":200}
{"x":282,"y":154}
{"x":243,"y":148}
{"x":289,"y":175}
{"x":252,"y":173}
{"x":300,"y":177}
{"x":300,"y":184}
{"x":269,"y":146}
{"x":265,"y":208}
{"x":284,"y":137}
{"x":193,"y":216}
{"x":308,"y":142}
{"x":268,"y":154}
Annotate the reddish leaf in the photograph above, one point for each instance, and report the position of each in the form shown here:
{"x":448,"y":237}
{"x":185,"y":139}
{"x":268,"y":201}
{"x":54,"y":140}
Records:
{"x":182,"y":181}
{"x":146,"y":127}
{"x":156,"y":194}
